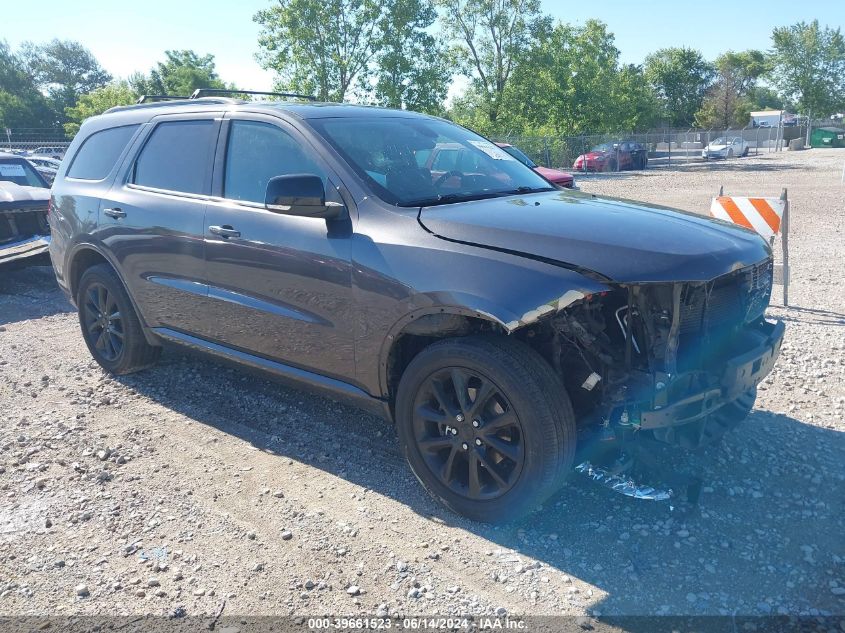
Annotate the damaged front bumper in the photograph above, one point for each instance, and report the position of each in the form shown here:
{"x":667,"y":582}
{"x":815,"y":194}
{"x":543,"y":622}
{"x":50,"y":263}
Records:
{"x":22,"y":249}
{"x":741,"y":374}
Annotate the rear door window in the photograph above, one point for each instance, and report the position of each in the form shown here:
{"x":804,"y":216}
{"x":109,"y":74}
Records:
{"x":176,"y":157}
{"x":99,"y":152}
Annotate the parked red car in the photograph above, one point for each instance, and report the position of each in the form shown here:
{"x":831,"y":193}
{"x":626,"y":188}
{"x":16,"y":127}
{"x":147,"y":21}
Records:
{"x":604,"y":157}
{"x":555,"y":176}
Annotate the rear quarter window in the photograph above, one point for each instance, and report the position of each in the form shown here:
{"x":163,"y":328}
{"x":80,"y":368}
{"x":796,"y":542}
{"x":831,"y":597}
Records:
{"x":99,"y":152}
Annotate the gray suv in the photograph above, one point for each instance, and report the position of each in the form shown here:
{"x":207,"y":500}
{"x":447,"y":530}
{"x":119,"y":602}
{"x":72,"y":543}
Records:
{"x":513,"y":331}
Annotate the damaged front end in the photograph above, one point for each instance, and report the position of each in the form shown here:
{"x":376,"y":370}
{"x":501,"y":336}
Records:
{"x":675,"y":363}
{"x":24,"y":231}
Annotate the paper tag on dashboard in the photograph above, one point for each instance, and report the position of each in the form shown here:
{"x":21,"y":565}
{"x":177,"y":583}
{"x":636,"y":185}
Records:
{"x":12,"y":169}
{"x":493,"y":151}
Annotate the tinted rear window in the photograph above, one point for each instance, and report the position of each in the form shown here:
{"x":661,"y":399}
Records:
{"x":21,"y":173}
{"x":176,"y":157}
{"x":99,"y":152}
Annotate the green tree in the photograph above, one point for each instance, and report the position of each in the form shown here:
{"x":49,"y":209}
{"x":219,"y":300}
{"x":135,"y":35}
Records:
{"x":809,"y":66}
{"x":21,"y":103}
{"x":765,"y":98}
{"x":728,"y":102}
{"x":564,"y":84}
{"x":680,"y":77}
{"x":321,"y":47}
{"x":410,"y":70}
{"x":634,"y":102}
{"x":180,"y":74}
{"x":64,"y":70}
{"x":98,"y":101}
{"x":571,"y":82}
{"x":489,"y":38}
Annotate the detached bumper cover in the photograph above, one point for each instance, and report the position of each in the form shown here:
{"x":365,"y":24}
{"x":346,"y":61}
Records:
{"x":741,"y":373}
{"x":29,"y":247}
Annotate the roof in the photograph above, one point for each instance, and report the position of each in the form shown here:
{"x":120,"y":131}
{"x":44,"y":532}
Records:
{"x":304,"y":110}
{"x":835,"y":130}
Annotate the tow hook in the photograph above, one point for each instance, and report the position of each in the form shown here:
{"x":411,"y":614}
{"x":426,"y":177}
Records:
{"x":623,"y":485}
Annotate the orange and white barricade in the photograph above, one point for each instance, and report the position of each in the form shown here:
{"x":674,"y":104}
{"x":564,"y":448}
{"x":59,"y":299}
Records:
{"x":768,"y":216}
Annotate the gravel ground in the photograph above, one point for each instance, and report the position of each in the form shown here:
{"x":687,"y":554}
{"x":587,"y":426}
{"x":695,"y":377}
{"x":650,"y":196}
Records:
{"x":192,"y":485}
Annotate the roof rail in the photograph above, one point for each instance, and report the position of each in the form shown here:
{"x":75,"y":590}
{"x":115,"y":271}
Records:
{"x":200,"y":92}
{"x":146,"y":98}
{"x":175,"y":101}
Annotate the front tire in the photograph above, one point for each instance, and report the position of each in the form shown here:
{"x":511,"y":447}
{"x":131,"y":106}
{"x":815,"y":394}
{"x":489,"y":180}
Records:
{"x":486,"y":426}
{"x":110,"y":326}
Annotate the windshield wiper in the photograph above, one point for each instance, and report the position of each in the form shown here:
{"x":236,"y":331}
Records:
{"x":526,"y":189}
{"x":449,"y":198}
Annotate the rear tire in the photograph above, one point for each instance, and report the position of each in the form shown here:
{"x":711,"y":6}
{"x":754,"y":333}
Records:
{"x":110,"y":326}
{"x":513,"y":427}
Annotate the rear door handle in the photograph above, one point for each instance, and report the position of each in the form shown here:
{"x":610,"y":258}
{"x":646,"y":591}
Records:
{"x":115,"y":213}
{"x":224,"y":231}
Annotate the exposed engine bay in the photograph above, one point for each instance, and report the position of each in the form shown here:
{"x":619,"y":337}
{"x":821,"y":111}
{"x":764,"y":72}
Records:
{"x":664,"y":363}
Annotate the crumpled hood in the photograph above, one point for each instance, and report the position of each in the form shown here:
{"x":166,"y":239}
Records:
{"x":623,"y":241}
{"x":717,"y":148}
{"x":11,"y":192}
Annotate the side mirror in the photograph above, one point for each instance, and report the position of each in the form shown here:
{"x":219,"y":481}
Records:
{"x":300,"y":194}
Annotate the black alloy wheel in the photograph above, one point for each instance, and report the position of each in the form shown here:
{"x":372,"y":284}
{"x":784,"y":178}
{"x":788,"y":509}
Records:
{"x":486,"y":426}
{"x":110,"y":326}
{"x":102,"y":322}
{"x":468,"y":433}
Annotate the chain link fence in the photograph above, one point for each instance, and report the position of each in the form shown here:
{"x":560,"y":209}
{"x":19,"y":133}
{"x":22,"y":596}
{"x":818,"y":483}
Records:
{"x":661,"y":147}
{"x":41,"y":141}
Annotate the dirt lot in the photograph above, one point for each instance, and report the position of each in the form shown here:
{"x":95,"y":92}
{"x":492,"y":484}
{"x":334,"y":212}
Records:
{"x":191,"y":484}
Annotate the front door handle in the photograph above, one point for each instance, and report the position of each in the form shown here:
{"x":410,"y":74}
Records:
{"x":224,"y":231}
{"x":115,"y":213}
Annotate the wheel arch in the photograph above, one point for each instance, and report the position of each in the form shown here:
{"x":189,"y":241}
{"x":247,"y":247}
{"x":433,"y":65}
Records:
{"x":420,"y":328}
{"x":85,"y":255}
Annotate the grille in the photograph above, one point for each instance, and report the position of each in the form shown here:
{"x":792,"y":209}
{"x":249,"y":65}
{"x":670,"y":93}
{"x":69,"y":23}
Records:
{"x":736,"y":298}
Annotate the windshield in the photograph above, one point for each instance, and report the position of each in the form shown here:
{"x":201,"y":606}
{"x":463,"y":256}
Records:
{"x":604,"y":147}
{"x":21,"y":173}
{"x":519,"y":155}
{"x":411,"y":162}
{"x":720,"y":141}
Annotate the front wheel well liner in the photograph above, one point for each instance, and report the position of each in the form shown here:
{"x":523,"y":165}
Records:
{"x":424,"y":330}
{"x":419,"y":332}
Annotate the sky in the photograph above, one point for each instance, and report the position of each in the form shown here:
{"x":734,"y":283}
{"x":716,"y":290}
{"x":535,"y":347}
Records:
{"x":128,"y":37}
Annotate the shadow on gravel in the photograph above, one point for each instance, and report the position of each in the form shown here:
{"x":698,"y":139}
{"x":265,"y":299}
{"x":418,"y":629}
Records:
{"x":766,"y":538}
{"x":735,"y":165}
{"x":30,"y":293}
{"x":815,"y":316}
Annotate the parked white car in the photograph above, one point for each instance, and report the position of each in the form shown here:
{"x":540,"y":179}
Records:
{"x":57,"y":152}
{"x":725,"y":147}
